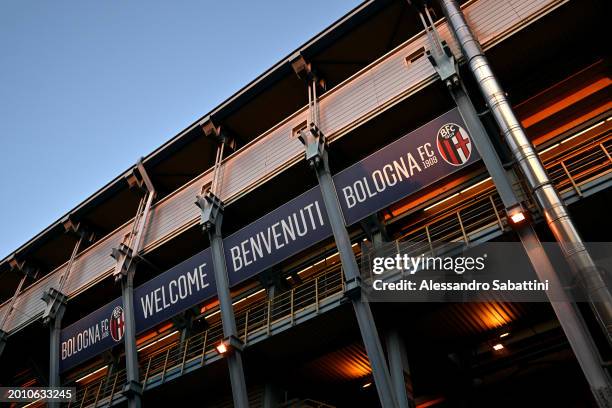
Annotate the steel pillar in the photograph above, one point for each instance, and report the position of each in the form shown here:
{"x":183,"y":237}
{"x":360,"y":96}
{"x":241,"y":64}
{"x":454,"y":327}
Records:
{"x":3,"y":338}
{"x":124,"y":272}
{"x":398,"y":364}
{"x":272,"y":396}
{"x":580,"y":339}
{"x":552,"y":205}
{"x":396,"y":351}
{"x":52,"y":317}
{"x":126,"y":255}
{"x":316,"y":155}
{"x":211,"y":220}
{"x":575,"y":330}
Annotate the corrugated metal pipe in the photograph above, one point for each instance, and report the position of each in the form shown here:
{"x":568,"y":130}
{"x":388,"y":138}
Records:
{"x":529,"y":162}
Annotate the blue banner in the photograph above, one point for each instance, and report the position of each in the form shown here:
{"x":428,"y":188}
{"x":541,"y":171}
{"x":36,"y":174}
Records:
{"x":187,"y":284}
{"x":290,"y":228}
{"x":411,"y":163}
{"x":90,"y":336}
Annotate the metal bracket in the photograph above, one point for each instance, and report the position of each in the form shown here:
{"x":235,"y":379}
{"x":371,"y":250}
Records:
{"x":77,"y":228}
{"x":132,"y":388}
{"x":124,"y":257}
{"x":56,"y":303}
{"x":27,"y":268}
{"x":220,"y":135}
{"x":314,"y":141}
{"x":138,"y":178}
{"x":311,"y":137}
{"x":233,"y":344}
{"x":440,"y":54}
{"x":212,"y":211}
{"x":353,"y":289}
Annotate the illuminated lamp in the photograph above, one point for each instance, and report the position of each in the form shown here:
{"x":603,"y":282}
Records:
{"x":517,"y":216}
{"x":222,"y":348}
{"x":229,"y":345}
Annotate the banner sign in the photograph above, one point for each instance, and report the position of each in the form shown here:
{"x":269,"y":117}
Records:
{"x":187,"y":284}
{"x":91,"y":335}
{"x":290,"y":228}
{"x":409,"y":164}
{"x":417,"y":160}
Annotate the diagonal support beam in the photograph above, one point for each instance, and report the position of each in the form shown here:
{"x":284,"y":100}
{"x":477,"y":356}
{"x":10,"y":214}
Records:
{"x":28,"y":272}
{"x":9,"y":310}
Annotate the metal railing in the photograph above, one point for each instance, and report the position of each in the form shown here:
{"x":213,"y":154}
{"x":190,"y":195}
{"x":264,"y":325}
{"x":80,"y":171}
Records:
{"x":468,"y":221}
{"x":253,"y":320}
{"x":578,"y":167}
{"x":475,"y":218}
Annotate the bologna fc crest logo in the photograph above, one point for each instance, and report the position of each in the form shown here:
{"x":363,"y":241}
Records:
{"x":117,"y":324}
{"x":454,"y":144}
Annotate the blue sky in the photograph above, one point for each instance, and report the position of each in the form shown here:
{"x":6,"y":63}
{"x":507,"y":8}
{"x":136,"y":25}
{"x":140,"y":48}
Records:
{"x":87,"y":87}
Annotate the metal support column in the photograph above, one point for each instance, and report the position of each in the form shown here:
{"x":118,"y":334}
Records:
{"x":316,"y":156}
{"x":573,"y":326}
{"x":554,"y":210}
{"x":125,"y":274}
{"x":56,"y":306}
{"x":126,"y":256}
{"x":579,"y":338}
{"x":272,"y":396}
{"x":400,"y":371}
{"x":363,"y":313}
{"x":3,"y":338}
{"x":52,"y":317}
{"x":396,"y":351}
{"x":211,"y":219}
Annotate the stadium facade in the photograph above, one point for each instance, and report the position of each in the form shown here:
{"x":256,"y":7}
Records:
{"x":222,"y":268}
